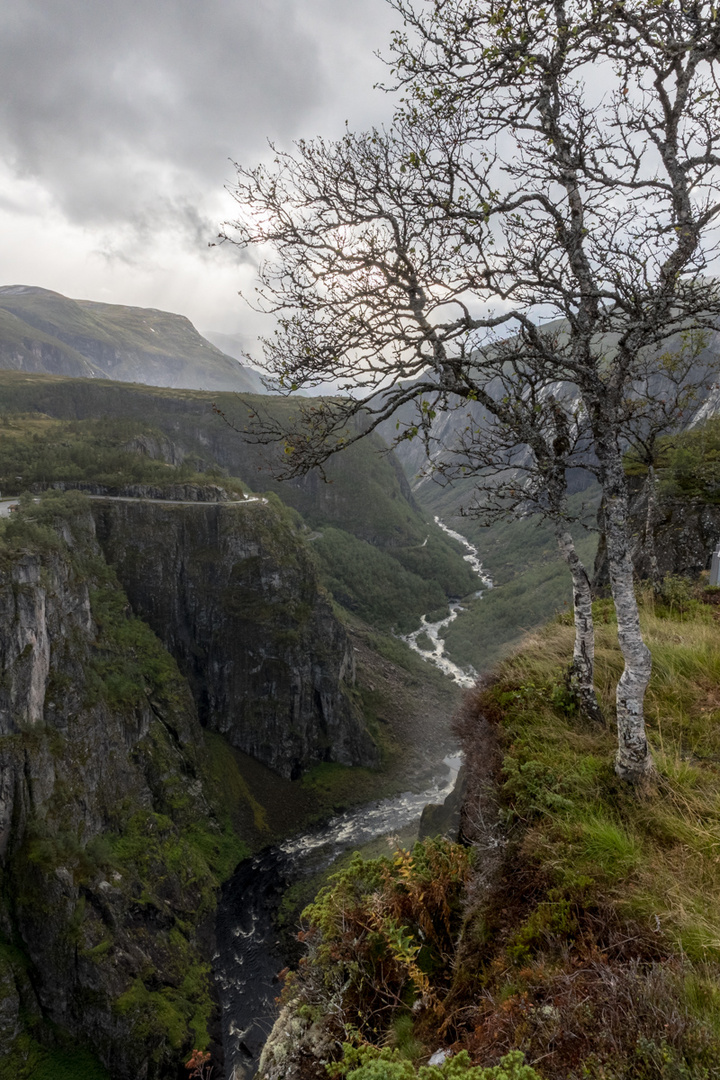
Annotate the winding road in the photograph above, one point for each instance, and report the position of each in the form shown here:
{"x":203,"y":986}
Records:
{"x":6,"y":505}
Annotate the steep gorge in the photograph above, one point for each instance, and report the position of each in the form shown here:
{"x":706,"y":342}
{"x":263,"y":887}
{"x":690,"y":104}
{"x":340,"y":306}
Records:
{"x":232,"y":592}
{"x":115,"y":824}
{"x":112,"y":840}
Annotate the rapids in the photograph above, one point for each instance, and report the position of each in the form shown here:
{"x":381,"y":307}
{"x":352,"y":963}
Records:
{"x":465,"y":677}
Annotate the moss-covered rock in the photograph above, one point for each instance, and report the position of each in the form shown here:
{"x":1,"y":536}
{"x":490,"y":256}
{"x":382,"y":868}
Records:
{"x":111,"y":839}
{"x":233,"y":593}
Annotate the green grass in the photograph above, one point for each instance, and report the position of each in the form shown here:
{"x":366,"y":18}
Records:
{"x":334,"y":787}
{"x":233,"y":799}
{"x":622,"y":865}
{"x":533,"y":585}
{"x":530,"y":583}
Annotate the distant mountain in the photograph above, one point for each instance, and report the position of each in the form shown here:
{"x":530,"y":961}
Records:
{"x":450,"y":425}
{"x":234,"y":345}
{"x":45,"y":332}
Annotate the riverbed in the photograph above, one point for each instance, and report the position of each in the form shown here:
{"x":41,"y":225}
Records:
{"x":249,"y":954}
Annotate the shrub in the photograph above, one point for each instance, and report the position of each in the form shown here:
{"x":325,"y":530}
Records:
{"x":369,"y":1063}
{"x":382,"y":933}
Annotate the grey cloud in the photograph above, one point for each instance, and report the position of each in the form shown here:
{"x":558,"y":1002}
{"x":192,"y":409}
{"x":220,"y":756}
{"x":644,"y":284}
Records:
{"x":125,"y":118}
{"x":127,"y":112}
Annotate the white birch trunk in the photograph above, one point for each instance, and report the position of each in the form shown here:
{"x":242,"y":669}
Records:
{"x":633,"y":761}
{"x":582,"y":674}
{"x":650,"y":529}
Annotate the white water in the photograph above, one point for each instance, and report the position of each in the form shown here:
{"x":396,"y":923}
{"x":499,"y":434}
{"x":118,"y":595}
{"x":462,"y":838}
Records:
{"x":472,"y":557}
{"x":249,"y":953}
{"x":465,"y":677}
{"x":357,"y":827}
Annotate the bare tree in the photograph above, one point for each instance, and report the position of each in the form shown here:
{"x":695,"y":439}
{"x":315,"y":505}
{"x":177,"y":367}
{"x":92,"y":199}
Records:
{"x":359,"y":302}
{"x":509,"y":193}
{"x":518,"y":449}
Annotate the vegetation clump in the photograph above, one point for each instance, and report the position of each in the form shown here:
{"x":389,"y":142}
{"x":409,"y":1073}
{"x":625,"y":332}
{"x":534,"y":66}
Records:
{"x":692,"y":468}
{"x":380,"y":939}
{"x":585,"y":921}
{"x":37,"y":451}
{"x":369,"y":1063}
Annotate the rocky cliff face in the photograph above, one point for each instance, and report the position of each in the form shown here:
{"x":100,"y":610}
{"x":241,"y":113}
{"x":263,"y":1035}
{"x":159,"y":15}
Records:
{"x":109,"y":842}
{"x":114,"y":834}
{"x":685,"y":532}
{"x":232,"y":593}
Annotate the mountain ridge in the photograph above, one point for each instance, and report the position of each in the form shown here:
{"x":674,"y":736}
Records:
{"x":45,"y":332}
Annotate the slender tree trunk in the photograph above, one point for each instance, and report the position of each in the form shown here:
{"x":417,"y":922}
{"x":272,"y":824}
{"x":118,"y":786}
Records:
{"x":633,"y":761}
{"x":582,"y":671}
{"x":650,"y":529}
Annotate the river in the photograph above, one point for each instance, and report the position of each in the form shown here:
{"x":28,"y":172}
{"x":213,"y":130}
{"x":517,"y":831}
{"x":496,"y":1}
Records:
{"x":432,"y":631}
{"x":249,"y":952}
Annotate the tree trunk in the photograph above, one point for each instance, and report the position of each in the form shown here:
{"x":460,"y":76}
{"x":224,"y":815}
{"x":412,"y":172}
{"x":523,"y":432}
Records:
{"x":650,"y":529}
{"x":582,"y":671}
{"x":633,"y":761}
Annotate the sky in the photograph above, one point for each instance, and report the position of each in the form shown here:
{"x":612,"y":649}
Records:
{"x":119,"y":124}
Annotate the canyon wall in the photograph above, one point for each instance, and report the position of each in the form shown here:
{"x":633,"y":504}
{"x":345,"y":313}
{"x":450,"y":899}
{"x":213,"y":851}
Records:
{"x":115,"y":824}
{"x":231,"y":591}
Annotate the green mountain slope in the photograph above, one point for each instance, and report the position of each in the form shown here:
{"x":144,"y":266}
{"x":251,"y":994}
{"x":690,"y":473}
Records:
{"x":379,"y":555}
{"x":382,"y":556}
{"x":27,"y":348}
{"x":43,"y":331}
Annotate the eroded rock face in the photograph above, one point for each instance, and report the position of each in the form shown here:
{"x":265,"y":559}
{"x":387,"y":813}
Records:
{"x":101,"y":774}
{"x":232,"y":593}
{"x":686,"y":532}
{"x":113,"y":840}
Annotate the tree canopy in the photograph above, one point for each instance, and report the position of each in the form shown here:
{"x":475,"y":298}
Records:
{"x":544,"y":207}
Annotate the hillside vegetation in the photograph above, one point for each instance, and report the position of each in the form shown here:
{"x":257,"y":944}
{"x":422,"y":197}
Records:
{"x":589,"y":921}
{"x":688,"y":464}
{"x":379,"y":556}
{"x":37,"y":451}
{"x":121,"y":814}
{"x":44,"y":331}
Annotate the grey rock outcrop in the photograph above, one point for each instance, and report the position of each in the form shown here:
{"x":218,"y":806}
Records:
{"x":101,"y":772}
{"x":232,"y":593}
{"x":443,"y":819}
{"x":686,"y":532}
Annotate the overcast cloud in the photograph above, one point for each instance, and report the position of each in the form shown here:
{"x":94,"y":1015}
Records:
{"x":117,"y":123}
